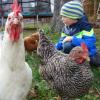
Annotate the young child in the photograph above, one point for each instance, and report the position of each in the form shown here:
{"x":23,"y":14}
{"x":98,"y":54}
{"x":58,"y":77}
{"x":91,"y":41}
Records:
{"x":77,"y":29}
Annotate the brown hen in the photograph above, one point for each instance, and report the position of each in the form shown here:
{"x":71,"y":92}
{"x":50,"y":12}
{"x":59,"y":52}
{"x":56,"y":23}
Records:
{"x":31,"y":42}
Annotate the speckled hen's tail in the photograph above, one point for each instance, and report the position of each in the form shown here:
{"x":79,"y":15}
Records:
{"x":42,"y":36}
{"x":41,"y":31}
{"x":45,"y":47}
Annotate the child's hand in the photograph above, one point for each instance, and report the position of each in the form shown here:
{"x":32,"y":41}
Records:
{"x":67,"y":39}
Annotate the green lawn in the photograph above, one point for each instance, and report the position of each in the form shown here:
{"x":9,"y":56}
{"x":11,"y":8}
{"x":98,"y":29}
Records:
{"x":42,"y":89}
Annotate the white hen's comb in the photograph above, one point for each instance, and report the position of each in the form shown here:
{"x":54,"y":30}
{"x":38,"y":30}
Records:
{"x":16,"y":8}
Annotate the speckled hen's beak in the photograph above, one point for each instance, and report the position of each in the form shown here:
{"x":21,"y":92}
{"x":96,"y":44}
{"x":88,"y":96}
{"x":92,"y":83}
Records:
{"x":88,"y":58}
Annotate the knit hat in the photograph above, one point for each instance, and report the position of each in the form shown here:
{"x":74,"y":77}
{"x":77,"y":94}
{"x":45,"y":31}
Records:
{"x":72,"y":9}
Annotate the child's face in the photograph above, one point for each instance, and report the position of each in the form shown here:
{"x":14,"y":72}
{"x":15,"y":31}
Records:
{"x":68,"y":21}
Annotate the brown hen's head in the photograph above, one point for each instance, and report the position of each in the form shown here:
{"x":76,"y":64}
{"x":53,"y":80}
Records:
{"x":31,"y":42}
{"x":79,"y":54}
{"x":14,"y":25}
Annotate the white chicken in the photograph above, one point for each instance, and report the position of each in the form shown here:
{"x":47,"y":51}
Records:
{"x":15,"y":73}
{"x":1,"y":38}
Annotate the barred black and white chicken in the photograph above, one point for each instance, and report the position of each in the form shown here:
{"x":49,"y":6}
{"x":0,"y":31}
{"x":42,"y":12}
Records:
{"x":69,"y":74}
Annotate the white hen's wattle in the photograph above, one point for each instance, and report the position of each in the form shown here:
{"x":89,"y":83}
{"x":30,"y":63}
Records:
{"x":15,"y":73}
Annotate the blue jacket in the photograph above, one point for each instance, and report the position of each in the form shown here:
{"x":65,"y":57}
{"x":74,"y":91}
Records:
{"x":81,"y":31}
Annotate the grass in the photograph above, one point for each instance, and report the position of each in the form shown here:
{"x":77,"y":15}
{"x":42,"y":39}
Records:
{"x":43,"y":91}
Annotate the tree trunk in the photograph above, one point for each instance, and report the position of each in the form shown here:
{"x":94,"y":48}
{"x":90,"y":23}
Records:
{"x":95,"y":9}
{"x":56,"y":24}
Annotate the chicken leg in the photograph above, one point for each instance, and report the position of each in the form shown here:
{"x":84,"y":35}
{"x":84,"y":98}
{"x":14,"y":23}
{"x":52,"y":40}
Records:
{"x":57,"y":98}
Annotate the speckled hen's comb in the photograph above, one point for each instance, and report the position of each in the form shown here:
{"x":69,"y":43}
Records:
{"x":16,"y":8}
{"x":84,"y":47}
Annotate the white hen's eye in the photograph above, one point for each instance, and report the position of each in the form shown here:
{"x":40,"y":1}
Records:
{"x":21,"y":19}
{"x":9,"y":18}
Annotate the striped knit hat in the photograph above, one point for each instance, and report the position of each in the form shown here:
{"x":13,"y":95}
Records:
{"x":72,"y":9}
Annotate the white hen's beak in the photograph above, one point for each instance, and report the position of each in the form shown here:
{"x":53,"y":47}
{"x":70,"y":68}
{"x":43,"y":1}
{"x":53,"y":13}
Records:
{"x":16,"y":21}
